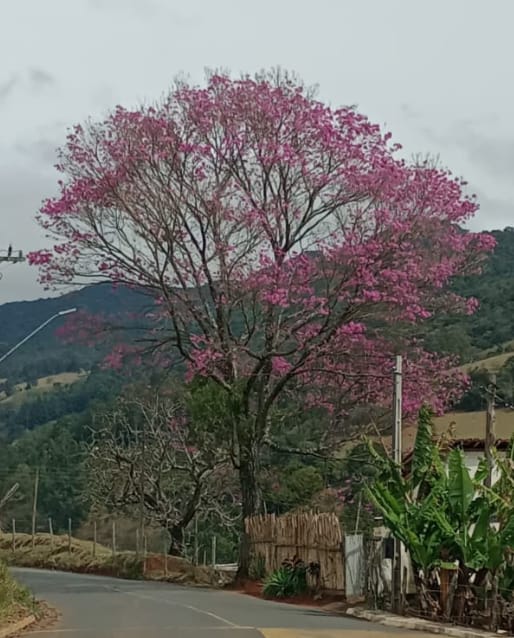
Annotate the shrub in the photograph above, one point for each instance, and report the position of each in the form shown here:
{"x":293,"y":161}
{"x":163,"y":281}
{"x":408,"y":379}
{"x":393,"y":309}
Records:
{"x":290,"y":580}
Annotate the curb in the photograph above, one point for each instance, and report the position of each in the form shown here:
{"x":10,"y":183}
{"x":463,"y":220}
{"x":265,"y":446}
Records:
{"x":16,"y":627}
{"x":417,"y":624}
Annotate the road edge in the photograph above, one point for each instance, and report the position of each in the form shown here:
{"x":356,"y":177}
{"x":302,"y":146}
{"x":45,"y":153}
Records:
{"x":416,"y":624}
{"x":18,"y":626}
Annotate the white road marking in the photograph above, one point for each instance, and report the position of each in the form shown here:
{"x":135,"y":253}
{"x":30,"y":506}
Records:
{"x":229,"y":623}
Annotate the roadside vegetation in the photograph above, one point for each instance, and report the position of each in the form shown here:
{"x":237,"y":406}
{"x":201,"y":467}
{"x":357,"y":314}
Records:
{"x":15,"y":600}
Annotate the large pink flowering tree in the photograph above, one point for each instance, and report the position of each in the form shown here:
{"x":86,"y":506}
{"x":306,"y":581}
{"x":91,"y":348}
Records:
{"x":287,"y":245}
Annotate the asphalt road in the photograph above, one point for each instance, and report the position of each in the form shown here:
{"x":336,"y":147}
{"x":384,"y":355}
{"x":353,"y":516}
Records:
{"x":97,"y":607}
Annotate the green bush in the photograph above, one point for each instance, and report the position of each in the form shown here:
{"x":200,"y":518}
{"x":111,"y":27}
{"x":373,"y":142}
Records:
{"x":288,"y":581}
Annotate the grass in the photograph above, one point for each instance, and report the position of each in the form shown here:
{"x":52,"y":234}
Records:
{"x":42,"y":386}
{"x":15,"y":601}
{"x":54,"y":552}
{"x":491,"y":363}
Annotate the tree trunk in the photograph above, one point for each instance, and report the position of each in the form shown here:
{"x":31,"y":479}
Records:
{"x":251,"y":505}
{"x":175,"y":546}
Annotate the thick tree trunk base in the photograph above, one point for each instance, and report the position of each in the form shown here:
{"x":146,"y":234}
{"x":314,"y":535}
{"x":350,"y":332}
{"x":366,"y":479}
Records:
{"x":250,"y":497}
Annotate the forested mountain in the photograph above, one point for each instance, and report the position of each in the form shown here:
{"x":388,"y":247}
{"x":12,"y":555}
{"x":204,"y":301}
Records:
{"x":492,"y":326}
{"x":488,"y":329}
{"x":47,"y":353}
{"x":47,"y":429}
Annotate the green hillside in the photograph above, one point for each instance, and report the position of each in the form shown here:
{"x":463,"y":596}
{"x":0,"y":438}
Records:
{"x":51,"y":389}
{"x":47,"y":353}
{"x":491,"y":328}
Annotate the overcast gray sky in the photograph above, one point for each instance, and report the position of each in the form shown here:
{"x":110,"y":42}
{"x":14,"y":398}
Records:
{"x":439,"y":74}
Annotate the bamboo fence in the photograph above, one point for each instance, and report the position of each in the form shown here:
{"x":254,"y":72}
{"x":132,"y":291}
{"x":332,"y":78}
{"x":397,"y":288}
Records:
{"x":314,"y":538}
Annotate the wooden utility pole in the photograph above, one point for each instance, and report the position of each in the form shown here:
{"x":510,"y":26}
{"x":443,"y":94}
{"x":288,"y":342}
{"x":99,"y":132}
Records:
{"x":490,"y":436}
{"x":396,"y":585}
{"x":34,"y":507}
{"x":196,"y":546}
{"x":213,"y":552}
{"x":51,"y":531}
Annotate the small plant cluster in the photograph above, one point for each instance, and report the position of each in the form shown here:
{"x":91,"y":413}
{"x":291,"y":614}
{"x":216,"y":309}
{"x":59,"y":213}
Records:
{"x":290,"y":579}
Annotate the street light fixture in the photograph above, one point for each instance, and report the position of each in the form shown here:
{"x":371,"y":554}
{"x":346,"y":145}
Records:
{"x":62,"y":313}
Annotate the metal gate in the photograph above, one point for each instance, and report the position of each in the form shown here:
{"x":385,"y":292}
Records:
{"x":354,"y":564}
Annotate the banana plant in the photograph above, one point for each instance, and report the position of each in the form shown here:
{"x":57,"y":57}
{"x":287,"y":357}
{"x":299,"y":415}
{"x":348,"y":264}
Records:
{"x":409,"y":504}
{"x":444,"y":516}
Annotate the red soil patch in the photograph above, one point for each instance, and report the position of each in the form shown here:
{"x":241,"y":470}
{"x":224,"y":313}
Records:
{"x":158,"y":563}
{"x":254,"y":588}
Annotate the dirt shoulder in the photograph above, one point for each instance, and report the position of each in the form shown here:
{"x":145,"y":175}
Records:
{"x":17,"y":607}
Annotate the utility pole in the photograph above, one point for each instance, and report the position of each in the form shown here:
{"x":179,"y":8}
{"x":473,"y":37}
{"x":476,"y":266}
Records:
{"x":396,"y":585}
{"x":490,"y":436}
{"x":11,"y":257}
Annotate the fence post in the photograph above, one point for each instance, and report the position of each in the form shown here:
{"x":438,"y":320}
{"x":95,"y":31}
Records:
{"x":13,"y":534}
{"x":197,"y":549}
{"x":51,"y":531}
{"x":94,"y":539}
{"x":205,"y":557}
{"x":213,"y":552}
{"x":34,"y":507}
{"x":114,"y":538}
{"x":145,"y":550}
{"x":165,"y":548}
{"x":138,"y":543}
{"x":69,"y":535}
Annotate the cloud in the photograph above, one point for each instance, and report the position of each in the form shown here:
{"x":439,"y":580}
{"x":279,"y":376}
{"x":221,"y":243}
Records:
{"x":139,"y":6}
{"x":42,"y":151}
{"x":6,"y":88}
{"x":495,"y":213}
{"x":40,"y":79}
{"x":409,"y":112}
{"x":148,"y":9}
{"x":494,"y":155}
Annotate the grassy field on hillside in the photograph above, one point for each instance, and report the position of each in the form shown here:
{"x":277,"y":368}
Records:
{"x":492,"y":363}
{"x":43,"y":385}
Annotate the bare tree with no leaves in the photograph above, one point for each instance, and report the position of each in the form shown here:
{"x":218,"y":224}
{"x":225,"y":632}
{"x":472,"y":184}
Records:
{"x":148,"y":457}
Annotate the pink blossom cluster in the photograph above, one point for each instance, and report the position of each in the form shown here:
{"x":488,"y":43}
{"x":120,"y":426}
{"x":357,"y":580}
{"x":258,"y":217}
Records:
{"x":285,"y":240}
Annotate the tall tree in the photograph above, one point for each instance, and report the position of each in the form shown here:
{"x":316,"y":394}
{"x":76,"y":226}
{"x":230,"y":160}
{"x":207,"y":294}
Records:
{"x":286,"y":245}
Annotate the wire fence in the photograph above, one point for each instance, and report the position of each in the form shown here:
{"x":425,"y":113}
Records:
{"x":108,"y":535}
{"x":449,"y":595}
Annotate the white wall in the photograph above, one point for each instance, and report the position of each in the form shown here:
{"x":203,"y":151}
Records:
{"x":472,"y":458}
